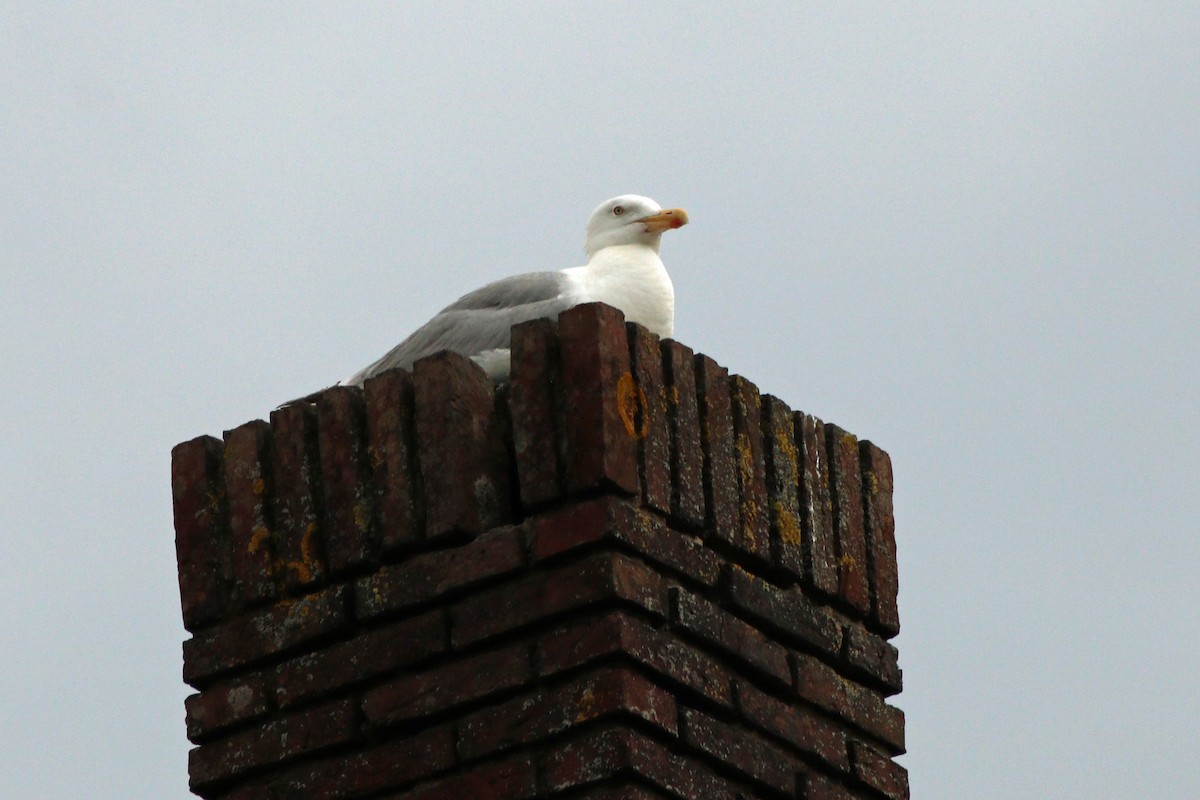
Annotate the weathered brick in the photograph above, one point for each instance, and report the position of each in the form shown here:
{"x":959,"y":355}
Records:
{"x":687,"y":456}
{"x":846,"y":487}
{"x":426,"y":577}
{"x":365,"y":656}
{"x":271,"y":632}
{"x":392,"y":453}
{"x":247,"y":456}
{"x":618,"y":789}
{"x":202,"y":540}
{"x":721,"y":629}
{"x":871,"y":658}
{"x":783,"y":486}
{"x":878,"y":771}
{"x":754,"y":538}
{"x":430,"y":691}
{"x":861,"y":707}
{"x":387,"y":765}
{"x":538,"y":444}
{"x":612,"y":519}
{"x":816,"y":506}
{"x":295,"y":470}
{"x":605,"y":692}
{"x":601,"y":578}
{"x":582,"y":641}
{"x":740,"y":749}
{"x":717,"y":441}
{"x":460,"y":447}
{"x":788,"y":611}
{"x":818,"y":786}
{"x":510,"y":779}
{"x":228,"y":703}
{"x":799,"y":726}
{"x":881,"y":537}
{"x":652,"y":423}
{"x":606,"y":752}
{"x":602,"y":400}
{"x":350,"y":541}
{"x":304,"y":733}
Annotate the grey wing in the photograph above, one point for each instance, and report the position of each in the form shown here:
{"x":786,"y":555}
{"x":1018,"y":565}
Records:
{"x":477,"y":321}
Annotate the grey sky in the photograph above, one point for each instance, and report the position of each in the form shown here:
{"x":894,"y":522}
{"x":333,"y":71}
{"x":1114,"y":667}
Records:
{"x":970,"y":233}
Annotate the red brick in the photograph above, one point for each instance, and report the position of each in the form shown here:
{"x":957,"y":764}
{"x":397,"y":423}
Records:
{"x":821,"y":787}
{"x":426,"y":577}
{"x":872,"y":659}
{"x":228,"y":703}
{"x":604,"y":753}
{"x":653,"y":420}
{"x":201,"y":534}
{"x":433,"y":690}
{"x":601,"y":578}
{"x":365,"y":656}
{"x":881,"y":537}
{"x":721,"y":629}
{"x":247,"y":454}
{"x":389,"y":765}
{"x":603,"y":693}
{"x":741,"y":749}
{"x":350,"y":542}
{"x":878,"y":771}
{"x":538,"y":443}
{"x":392,"y":453}
{"x":249,"y":793}
{"x":783,"y":486}
{"x":861,"y":707}
{"x":751,"y":469}
{"x":460,"y":447}
{"x":622,"y":790}
{"x":687,"y":456}
{"x":784,"y":610}
{"x":717,"y":441}
{"x":511,"y":779}
{"x":816,"y":506}
{"x":614,"y":519}
{"x":307,"y":732}
{"x":799,"y":726}
{"x":295,"y":470}
{"x":271,"y":632}
{"x":601,"y":400}
{"x":846,"y":487}
{"x":619,"y":633}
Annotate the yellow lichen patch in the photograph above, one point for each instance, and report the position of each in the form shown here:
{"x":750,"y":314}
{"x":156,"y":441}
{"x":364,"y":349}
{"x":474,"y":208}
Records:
{"x":584,"y":705}
{"x":258,"y":539}
{"x":631,"y":400}
{"x":303,"y":571}
{"x":672,"y":394}
{"x":848,"y":563}
{"x":260,"y":486}
{"x":871,"y":483}
{"x":789,"y":526}
{"x":362,"y":516}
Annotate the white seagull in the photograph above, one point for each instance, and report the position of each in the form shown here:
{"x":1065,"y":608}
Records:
{"x":623,"y":270}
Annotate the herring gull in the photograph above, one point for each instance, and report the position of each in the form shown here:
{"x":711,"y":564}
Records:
{"x":623,"y":270}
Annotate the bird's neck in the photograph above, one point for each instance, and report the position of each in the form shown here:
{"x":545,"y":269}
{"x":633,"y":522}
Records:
{"x":632,"y":278}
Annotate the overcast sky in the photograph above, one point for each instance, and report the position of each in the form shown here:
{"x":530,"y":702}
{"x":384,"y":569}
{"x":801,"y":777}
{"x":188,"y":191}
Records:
{"x":969,"y":233}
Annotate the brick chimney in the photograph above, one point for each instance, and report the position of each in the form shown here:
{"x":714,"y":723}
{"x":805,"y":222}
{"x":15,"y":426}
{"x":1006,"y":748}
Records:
{"x":625,"y":574}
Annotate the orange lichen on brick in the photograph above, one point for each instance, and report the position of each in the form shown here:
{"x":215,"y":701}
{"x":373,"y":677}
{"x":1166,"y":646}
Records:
{"x":631,"y":401}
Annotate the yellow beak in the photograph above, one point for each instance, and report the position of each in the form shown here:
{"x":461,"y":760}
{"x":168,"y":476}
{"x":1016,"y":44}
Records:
{"x":664,"y":220}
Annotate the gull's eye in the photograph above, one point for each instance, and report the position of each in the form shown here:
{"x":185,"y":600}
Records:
{"x":618,"y":210}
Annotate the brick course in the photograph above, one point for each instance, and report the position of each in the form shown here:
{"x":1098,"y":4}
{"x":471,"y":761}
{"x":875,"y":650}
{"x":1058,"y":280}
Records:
{"x":624,"y":574}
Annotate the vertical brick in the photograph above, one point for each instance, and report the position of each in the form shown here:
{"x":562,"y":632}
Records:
{"x":751,"y":468}
{"x":816,"y":506}
{"x":716,"y":439}
{"x":783,"y":486}
{"x":295,"y":467}
{"x":881,"y":537}
{"x":392,"y":451}
{"x":652,"y":424}
{"x":201,"y":534}
{"x":345,"y":476}
{"x":536,"y":412}
{"x":846,"y":487}
{"x":247,"y":454}
{"x":602,"y":401}
{"x":460,"y":447}
{"x":687,"y":456}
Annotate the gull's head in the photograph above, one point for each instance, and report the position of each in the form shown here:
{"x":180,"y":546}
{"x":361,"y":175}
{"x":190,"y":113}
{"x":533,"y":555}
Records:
{"x":630,"y":219}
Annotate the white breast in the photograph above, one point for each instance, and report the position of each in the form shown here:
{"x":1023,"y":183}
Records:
{"x":631,"y":278}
